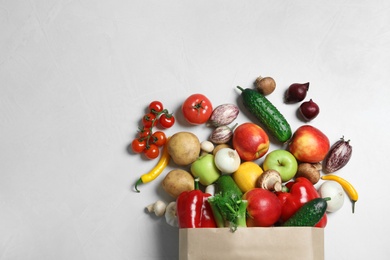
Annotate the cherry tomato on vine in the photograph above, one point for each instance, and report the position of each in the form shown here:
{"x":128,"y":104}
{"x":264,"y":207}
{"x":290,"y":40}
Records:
{"x":149,"y":120}
{"x":152,"y":151}
{"x":138,"y":145}
{"x":166,"y":121}
{"x":144,"y":132}
{"x":156,"y":106}
{"x":159,"y":138}
{"x":197,"y":109}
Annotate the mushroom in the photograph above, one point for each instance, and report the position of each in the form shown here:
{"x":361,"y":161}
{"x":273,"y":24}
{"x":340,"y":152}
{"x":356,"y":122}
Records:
{"x":270,"y":180}
{"x":309,"y":171}
{"x":158,"y":208}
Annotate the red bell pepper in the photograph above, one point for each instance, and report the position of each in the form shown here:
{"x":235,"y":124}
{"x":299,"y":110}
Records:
{"x":300,"y":191}
{"x":193,"y":209}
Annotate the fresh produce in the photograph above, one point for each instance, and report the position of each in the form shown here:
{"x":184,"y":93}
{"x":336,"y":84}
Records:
{"x":148,"y":142}
{"x":309,"y":214}
{"x":177,"y":181}
{"x":301,"y":190}
{"x":229,"y":209}
{"x":170,"y":214}
{"x":205,"y":169}
{"x":156,"y":171}
{"x":270,"y":180}
{"x":264,"y":208}
{"x":222,"y":134}
{"x":207,"y":146}
{"x":250,"y":141}
{"x":309,"y":144}
{"x":219,"y":147}
{"x":310,"y":171}
{"x":265,"y":85}
{"x":152,"y":151}
{"x":335,"y":192}
{"x":223,"y":115}
{"x":197,"y":109}
{"x":309,"y":110}
{"x":184,"y":148}
{"x":210,"y":189}
{"x":339,"y":155}
{"x":158,"y":208}
{"x":246,"y":175}
{"x":236,"y":192}
{"x":283,"y":162}
{"x":266,"y":113}
{"x":166,"y":120}
{"x":347,"y":186}
{"x":193,"y":209}
{"x":296,"y":92}
{"x":227,"y":160}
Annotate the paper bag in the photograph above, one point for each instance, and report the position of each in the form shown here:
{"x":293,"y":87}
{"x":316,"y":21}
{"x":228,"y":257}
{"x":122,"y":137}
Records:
{"x":301,"y":243}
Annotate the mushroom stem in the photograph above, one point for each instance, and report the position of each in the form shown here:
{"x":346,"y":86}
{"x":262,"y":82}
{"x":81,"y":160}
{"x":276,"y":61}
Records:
{"x":270,"y":180}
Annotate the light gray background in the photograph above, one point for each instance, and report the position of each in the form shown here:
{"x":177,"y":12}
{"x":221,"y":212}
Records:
{"x":76,"y":77}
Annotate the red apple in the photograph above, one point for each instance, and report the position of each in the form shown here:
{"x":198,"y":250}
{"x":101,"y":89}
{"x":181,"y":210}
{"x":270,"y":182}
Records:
{"x":264,"y":208}
{"x":309,"y":144}
{"x":250,"y":141}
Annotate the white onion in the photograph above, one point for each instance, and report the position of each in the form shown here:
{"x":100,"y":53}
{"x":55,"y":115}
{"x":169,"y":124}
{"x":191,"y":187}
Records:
{"x":227,"y":160}
{"x":335,"y":192}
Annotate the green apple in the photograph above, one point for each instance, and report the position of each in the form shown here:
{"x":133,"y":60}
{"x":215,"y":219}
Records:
{"x":205,"y":168}
{"x":283,"y":162}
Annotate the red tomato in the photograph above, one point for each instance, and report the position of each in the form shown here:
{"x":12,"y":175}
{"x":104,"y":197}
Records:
{"x":166,"y":121}
{"x":159,"y":138}
{"x":149,"y":120}
{"x":197,"y":109}
{"x":264,"y":207}
{"x":152,"y":151}
{"x":144,"y":132}
{"x":138,"y":145}
{"x":156,"y":106}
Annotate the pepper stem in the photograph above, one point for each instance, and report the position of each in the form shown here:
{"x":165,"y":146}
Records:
{"x":196,"y":183}
{"x":353,"y":206}
{"x":137,"y":183}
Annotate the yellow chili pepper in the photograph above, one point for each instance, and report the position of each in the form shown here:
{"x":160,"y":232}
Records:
{"x":349,"y":189}
{"x":157,"y":170}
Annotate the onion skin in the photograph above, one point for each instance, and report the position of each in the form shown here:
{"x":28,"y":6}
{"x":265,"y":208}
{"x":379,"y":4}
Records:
{"x":296,"y":92}
{"x":339,"y":155}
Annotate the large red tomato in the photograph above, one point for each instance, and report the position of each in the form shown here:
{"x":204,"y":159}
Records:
{"x":264,"y":207}
{"x":197,"y":109}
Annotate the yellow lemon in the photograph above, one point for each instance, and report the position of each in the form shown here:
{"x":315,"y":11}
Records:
{"x":247,"y":175}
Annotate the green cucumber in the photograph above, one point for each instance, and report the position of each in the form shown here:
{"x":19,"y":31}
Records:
{"x":266,"y":113}
{"x":309,"y":214}
{"x":226,"y":186}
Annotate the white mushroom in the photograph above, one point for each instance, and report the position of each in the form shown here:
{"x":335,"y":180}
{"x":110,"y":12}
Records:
{"x":158,"y":208}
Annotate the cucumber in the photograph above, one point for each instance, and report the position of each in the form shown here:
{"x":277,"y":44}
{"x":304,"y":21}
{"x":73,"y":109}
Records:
{"x":226,"y":186}
{"x":266,"y":113}
{"x":309,"y":214}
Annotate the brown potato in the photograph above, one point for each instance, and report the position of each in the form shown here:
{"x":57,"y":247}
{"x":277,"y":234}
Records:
{"x":177,"y":181}
{"x":219,"y":147}
{"x":184,"y":148}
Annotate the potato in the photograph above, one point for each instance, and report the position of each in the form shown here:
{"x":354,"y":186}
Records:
{"x":184,"y":148}
{"x":177,"y":181}
{"x":219,"y":147}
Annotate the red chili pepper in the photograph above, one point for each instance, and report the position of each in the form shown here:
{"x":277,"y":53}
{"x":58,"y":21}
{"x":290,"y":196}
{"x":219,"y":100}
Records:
{"x":193,"y":209}
{"x":300,"y":191}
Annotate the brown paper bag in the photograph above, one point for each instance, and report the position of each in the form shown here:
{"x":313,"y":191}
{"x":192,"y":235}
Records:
{"x":301,"y":243}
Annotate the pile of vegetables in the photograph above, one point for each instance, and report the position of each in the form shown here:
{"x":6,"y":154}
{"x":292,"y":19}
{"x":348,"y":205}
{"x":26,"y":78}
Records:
{"x":219,"y":183}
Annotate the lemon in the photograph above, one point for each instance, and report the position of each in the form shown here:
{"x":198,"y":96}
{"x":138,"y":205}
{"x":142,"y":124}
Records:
{"x":247,"y":175}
